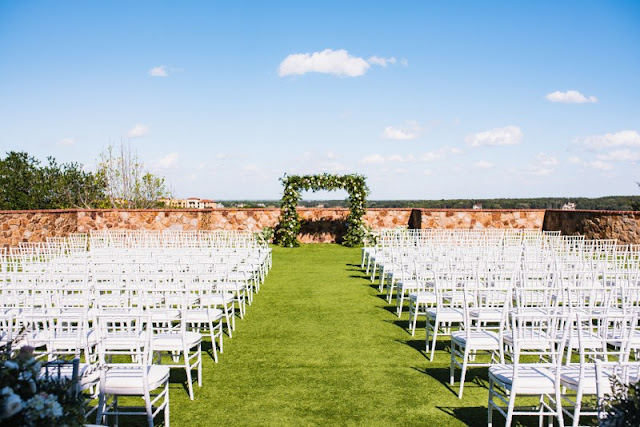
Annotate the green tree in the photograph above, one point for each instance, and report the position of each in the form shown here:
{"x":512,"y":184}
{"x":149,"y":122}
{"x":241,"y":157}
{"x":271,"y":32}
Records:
{"x":25,"y":184}
{"x":127,"y":183}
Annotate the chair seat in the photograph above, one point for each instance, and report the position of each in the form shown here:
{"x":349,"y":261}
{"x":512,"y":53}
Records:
{"x":423,"y":297}
{"x":533,"y":342}
{"x":231,"y":286}
{"x":37,"y":338}
{"x":409,"y":285}
{"x":477,"y":340}
{"x":123,"y":340}
{"x":129,"y":379}
{"x":174,"y":342}
{"x":163,"y":315}
{"x":571,"y":379}
{"x":70,"y":340}
{"x":493,"y":315}
{"x":203,"y":315}
{"x":532,"y":380}
{"x":445,"y":314}
{"x":87,"y":374}
{"x":218,"y":298}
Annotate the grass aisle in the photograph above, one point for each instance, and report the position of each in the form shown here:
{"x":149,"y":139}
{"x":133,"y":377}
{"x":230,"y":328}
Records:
{"x":319,"y":346}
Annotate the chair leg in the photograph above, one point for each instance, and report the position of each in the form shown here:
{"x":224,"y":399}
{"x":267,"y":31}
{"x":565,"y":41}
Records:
{"x":214,"y":348}
{"x":166,"y":406}
{"x":200,"y":365}
{"x":512,"y":404}
{"x":434,"y":340}
{"x":400,"y":301}
{"x":221,"y":336}
{"x":413,"y":317}
{"x":187,"y":368}
{"x":578,"y":408}
{"x":490,"y":405}
{"x":101,"y":407}
{"x":452,"y":363}
{"x":115,"y":409}
{"x":149,"y":409}
{"x":463,"y":374}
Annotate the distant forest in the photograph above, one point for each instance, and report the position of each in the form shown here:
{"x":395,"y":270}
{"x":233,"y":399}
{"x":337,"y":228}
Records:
{"x":623,"y":203}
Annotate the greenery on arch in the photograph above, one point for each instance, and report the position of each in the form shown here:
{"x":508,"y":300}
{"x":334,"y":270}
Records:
{"x":356,"y":186}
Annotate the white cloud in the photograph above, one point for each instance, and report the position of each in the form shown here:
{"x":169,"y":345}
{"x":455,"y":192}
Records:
{"x":402,"y":159}
{"x":137,"y":131}
{"x":570,"y":97}
{"x":429,"y":156}
{"x":169,"y":161}
{"x":509,"y":135}
{"x":625,"y":138}
{"x":378,"y":60}
{"x":543,"y":165}
{"x":159,"y":71}
{"x":250,"y":168}
{"x":373,"y":159}
{"x":328,"y":61}
{"x":66,"y":142}
{"x":438,"y":154}
{"x":575,"y":160}
{"x":483,"y":164}
{"x":620,"y":156}
{"x":410,"y":131}
{"x":600,"y":165}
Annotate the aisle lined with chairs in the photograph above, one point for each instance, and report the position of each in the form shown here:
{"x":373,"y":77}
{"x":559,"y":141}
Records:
{"x":544,"y":308}
{"x":130,"y":305}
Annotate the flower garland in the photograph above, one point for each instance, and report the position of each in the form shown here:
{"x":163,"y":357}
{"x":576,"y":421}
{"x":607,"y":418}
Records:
{"x":287,"y":231}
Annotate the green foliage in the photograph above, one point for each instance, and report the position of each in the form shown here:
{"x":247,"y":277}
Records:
{"x":289,"y":227}
{"x":25,"y":184}
{"x":622,"y":408}
{"x":28,"y":398}
{"x":127,"y":183}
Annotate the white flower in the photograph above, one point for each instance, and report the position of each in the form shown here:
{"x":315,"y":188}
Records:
{"x":12,"y":405}
{"x":6,"y":391}
{"x":43,"y":406}
{"x":9,"y":364}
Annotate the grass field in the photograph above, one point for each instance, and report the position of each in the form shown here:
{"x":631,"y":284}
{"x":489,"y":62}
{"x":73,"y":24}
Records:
{"x":319,"y":346}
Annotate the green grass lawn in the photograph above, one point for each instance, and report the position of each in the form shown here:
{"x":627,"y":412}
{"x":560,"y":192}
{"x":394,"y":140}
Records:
{"x":320,"y":346}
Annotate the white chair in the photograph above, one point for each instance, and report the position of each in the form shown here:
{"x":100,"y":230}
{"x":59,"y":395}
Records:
{"x":170,"y":335}
{"x":541,"y":337}
{"x":603,"y":337}
{"x":447,"y":311}
{"x":201,"y":313}
{"x":128,"y":336}
{"x":485,"y":314}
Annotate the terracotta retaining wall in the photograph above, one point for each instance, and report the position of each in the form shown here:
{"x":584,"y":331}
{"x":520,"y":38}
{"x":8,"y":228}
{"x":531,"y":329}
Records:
{"x":477,"y":218}
{"x":320,"y":225}
{"x":621,"y":225}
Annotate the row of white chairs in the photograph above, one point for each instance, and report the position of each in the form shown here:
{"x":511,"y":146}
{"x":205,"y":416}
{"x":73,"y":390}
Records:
{"x":130,"y":294}
{"x":535,"y":302}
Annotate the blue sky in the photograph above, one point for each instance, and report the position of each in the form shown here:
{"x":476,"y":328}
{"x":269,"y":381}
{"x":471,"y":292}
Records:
{"x":429,"y":100}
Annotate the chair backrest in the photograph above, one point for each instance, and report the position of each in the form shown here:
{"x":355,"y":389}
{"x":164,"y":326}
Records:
{"x":122,"y":333}
{"x":605,"y":337}
{"x":541,"y":336}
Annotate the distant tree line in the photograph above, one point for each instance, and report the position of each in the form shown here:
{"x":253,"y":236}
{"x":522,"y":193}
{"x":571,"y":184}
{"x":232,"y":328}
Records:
{"x":120,"y":181}
{"x":25,"y":183}
{"x":625,"y":203}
